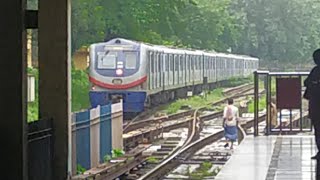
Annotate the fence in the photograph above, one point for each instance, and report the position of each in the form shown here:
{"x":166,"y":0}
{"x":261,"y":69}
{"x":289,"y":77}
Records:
{"x":95,"y":133}
{"x":40,"y":150}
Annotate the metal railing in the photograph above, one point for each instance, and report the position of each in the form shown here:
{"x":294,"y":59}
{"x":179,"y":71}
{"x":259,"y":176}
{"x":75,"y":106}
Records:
{"x":287,"y":90}
{"x":40,"y":150}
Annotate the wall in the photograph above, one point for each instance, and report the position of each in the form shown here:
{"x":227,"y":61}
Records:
{"x":95,"y":132}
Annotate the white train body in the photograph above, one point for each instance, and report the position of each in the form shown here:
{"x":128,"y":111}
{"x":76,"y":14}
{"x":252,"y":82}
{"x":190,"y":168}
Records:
{"x":140,"y":72}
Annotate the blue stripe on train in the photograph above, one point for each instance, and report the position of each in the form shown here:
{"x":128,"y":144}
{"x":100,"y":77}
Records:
{"x":132,"y":101}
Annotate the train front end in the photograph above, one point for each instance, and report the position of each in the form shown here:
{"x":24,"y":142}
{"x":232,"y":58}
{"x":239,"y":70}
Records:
{"x":117,"y":72}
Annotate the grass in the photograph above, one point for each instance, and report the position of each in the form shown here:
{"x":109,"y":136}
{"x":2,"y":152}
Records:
{"x":237,"y":81}
{"x":203,"y":171}
{"x":195,"y":101}
{"x":152,"y":160}
{"x":201,"y":101}
{"x":262,"y":104}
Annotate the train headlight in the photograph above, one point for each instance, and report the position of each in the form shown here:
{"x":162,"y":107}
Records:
{"x":119,"y":72}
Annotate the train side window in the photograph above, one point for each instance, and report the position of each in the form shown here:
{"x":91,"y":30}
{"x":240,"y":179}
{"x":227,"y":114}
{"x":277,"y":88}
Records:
{"x":161,"y":62}
{"x":156,"y":58}
{"x":176,"y":63}
{"x":181,"y":62}
{"x":152,"y":62}
{"x":166,"y":61}
{"x":187,"y":62}
{"x":192,"y":62}
{"x":171,"y":62}
{"x":196,"y":62}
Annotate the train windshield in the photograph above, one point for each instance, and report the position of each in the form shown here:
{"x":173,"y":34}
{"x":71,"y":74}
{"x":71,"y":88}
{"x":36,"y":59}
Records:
{"x":107,"y":60}
{"x":130,"y":60}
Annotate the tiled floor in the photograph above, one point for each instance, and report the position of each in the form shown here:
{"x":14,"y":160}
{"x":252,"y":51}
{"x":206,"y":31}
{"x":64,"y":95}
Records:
{"x":293,"y":161}
{"x":272,"y":158}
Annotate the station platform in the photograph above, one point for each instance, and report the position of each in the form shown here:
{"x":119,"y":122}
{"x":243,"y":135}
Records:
{"x":272,"y":158}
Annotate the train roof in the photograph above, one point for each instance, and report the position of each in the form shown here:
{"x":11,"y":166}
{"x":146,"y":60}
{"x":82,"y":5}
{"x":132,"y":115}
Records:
{"x":173,"y":50}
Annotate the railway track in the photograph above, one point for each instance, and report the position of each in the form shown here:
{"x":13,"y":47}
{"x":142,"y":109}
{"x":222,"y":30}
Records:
{"x":137,"y":122}
{"x":187,"y":151}
{"x":148,"y":129}
{"x":179,"y":154}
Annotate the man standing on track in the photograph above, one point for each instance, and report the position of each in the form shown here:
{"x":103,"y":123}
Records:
{"x":230,"y":118}
{"x":312,"y":94}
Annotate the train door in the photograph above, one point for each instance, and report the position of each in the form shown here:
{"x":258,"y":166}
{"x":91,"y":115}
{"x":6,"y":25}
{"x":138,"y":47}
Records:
{"x":210,"y":69}
{"x":151,"y":71}
{"x":214,"y":69}
{"x":171,"y":69}
{"x":192,"y":69}
{"x":166,"y":70}
{"x":160,"y":80}
{"x":218,"y":68}
{"x":176,"y":70}
{"x":187,"y":69}
{"x":155,"y":70}
{"x":198,"y":69}
{"x":204,"y":74}
{"x":181,"y":63}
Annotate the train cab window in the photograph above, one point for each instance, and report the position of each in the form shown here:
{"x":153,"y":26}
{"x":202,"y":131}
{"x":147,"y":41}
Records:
{"x":131,"y":60}
{"x":107,"y":60}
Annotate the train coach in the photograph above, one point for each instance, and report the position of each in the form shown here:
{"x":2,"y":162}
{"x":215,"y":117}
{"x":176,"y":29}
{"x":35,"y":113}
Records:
{"x":144,"y":75}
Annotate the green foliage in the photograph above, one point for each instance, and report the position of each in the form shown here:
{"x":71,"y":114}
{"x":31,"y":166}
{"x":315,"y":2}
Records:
{"x":107,"y":158}
{"x":275,"y":30}
{"x":117,"y":153}
{"x":80,"y":90}
{"x":237,"y":81}
{"x":203,"y":171}
{"x":80,"y":93}
{"x":33,"y":107}
{"x":152,"y":160}
{"x":262,"y":104}
{"x":183,"y":23}
{"x":194,"y":101}
{"x":80,"y":169}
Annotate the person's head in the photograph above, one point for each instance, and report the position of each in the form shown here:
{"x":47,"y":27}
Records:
{"x":273,"y":100}
{"x":230,"y":101}
{"x":316,"y":57}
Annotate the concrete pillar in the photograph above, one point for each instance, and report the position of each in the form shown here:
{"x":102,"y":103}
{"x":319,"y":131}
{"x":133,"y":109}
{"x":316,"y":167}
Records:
{"x":13,"y":99}
{"x":54,"y":77}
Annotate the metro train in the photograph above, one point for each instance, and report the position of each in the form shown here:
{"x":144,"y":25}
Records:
{"x":143,"y":75}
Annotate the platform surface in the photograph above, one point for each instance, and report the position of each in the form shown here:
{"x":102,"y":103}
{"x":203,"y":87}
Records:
{"x":272,"y":158}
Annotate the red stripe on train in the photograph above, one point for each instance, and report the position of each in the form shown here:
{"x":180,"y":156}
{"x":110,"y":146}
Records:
{"x":118,"y":86}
